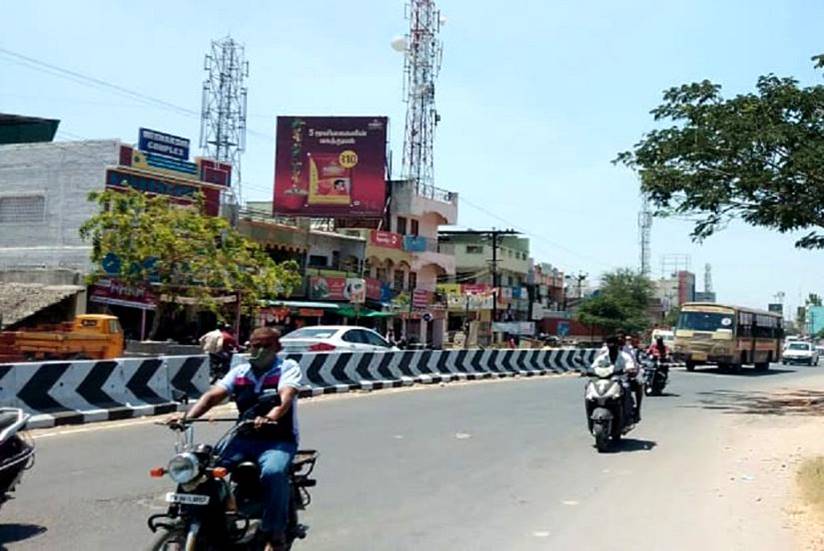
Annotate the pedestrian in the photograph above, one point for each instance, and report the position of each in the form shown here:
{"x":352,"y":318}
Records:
{"x":212,"y":342}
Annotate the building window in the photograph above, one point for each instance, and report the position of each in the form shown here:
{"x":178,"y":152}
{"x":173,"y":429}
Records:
{"x":414,"y":224}
{"x":380,"y":274}
{"x":317,"y":261}
{"x":413,"y":281}
{"x":474,"y":249}
{"x":401,"y":225}
{"x":336,"y":259}
{"x":22,"y":209}
{"x":398,"y":284}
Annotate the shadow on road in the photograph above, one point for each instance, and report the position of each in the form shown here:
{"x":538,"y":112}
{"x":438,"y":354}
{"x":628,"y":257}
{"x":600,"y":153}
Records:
{"x":11,"y":533}
{"x":632,"y":445}
{"x":744,"y":372}
{"x":794,"y":402}
{"x":666,"y":395}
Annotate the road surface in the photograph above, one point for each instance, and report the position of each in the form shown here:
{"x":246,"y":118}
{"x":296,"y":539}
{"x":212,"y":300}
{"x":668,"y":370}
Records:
{"x":489,"y":465}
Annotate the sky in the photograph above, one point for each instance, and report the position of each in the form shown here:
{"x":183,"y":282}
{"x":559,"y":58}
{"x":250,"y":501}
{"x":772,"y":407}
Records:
{"x":536,"y":98}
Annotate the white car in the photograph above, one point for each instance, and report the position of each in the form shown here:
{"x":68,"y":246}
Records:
{"x":799,"y":352}
{"x":334,"y":338}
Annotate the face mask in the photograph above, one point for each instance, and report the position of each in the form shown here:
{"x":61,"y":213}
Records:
{"x":262,"y":358}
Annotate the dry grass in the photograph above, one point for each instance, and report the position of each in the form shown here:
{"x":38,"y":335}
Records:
{"x":811,"y":482}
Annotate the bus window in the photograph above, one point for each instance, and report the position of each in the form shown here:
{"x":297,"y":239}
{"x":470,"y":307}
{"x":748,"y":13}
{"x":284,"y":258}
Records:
{"x":705,"y":321}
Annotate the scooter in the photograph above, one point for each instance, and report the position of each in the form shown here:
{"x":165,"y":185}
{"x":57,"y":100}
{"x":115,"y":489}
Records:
{"x":16,"y":450}
{"x":609,"y":405}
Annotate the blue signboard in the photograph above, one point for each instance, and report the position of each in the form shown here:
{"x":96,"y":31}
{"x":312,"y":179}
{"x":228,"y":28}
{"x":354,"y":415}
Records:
{"x":414,"y":244}
{"x":563,"y":328}
{"x":160,"y":143}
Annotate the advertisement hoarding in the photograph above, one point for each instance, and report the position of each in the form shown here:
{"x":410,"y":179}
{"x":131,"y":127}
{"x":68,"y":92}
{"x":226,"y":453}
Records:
{"x":330,"y":166}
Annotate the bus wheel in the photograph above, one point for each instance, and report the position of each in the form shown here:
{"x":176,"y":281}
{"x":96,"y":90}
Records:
{"x":690,"y":365}
{"x":723,"y":367}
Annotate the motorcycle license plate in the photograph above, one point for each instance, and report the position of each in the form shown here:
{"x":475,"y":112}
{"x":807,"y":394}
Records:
{"x":186,"y":499}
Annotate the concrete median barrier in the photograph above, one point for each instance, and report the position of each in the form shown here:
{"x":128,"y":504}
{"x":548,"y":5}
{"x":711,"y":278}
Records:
{"x":58,"y":393}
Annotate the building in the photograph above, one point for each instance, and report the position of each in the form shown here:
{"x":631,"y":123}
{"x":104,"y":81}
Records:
{"x":44,"y":201}
{"x":704,"y":296}
{"x":548,"y":289}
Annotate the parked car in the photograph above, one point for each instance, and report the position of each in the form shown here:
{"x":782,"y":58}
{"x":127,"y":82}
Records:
{"x":330,"y":338}
{"x":799,"y":352}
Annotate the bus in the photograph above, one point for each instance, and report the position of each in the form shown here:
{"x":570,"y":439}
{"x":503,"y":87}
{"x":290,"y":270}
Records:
{"x":728,"y":336}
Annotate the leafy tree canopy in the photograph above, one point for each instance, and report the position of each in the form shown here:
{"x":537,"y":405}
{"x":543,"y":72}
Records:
{"x":182,"y":252}
{"x":757,"y":156}
{"x":621,"y":304}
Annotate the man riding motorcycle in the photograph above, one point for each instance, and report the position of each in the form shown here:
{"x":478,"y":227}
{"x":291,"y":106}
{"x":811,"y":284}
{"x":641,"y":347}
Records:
{"x":612,"y":354}
{"x":658,"y":349}
{"x":273,"y":445}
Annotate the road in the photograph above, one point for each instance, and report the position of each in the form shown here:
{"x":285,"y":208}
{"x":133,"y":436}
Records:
{"x":489,"y":465}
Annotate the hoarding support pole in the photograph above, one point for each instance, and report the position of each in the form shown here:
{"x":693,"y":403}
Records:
{"x":143,"y":324}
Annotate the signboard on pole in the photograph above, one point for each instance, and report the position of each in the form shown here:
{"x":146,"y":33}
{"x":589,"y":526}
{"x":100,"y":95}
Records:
{"x":330,"y":167}
{"x":355,"y":290}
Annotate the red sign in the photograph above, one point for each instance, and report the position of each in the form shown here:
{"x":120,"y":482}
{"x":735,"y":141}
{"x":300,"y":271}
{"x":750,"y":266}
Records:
{"x":421,"y":298}
{"x":330,"y":167}
{"x":475,"y":288}
{"x":327,"y":288}
{"x":386,"y":239}
{"x":112,"y":291}
{"x":373,"y":289}
{"x":310,"y":312}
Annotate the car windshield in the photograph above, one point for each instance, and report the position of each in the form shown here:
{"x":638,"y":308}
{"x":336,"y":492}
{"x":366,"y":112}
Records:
{"x":799,"y":346}
{"x":312,"y":333}
{"x":704,"y":321}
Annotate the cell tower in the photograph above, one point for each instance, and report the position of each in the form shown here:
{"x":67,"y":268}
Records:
{"x":707,"y":278}
{"x":671,"y":264}
{"x":422,"y":62}
{"x":645,"y":235}
{"x":223,"y":111}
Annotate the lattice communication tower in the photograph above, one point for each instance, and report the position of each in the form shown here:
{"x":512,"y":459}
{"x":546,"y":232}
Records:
{"x":223,"y":110}
{"x":422,"y":63}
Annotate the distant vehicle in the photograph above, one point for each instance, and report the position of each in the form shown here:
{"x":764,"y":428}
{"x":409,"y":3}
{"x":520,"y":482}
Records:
{"x":729,"y":336}
{"x":801,"y":353}
{"x":666,"y":334}
{"x":331,"y":338}
{"x":89,"y":336}
{"x":820,"y":350}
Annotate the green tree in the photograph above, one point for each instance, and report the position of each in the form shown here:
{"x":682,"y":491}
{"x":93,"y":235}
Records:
{"x":620,"y":305}
{"x":183,"y":253}
{"x":671,"y":319}
{"x":757,"y":156}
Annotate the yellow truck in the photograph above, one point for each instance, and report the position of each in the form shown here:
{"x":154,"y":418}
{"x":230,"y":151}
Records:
{"x":89,"y":336}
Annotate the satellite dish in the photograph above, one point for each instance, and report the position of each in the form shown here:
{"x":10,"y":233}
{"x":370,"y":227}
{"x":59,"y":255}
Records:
{"x":399,"y":43}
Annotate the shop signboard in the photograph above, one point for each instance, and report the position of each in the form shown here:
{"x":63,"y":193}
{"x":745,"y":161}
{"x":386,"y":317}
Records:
{"x":330,"y":167}
{"x":114,"y":292}
{"x":355,"y":290}
{"x":387,"y":239}
{"x":327,"y":288}
{"x":160,"y":143}
{"x":421,"y":298}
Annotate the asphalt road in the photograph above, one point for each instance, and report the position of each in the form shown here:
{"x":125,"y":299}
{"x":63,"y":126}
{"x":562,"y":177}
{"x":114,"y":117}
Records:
{"x":490,"y":465}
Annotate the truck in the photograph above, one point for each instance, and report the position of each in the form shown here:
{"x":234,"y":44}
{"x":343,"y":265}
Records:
{"x":88,"y":337}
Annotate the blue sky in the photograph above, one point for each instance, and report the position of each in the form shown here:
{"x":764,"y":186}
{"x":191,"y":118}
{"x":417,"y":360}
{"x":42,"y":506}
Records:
{"x":536,"y":97}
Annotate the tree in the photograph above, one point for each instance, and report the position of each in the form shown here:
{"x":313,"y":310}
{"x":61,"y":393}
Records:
{"x":181,"y":253}
{"x":621,"y":304}
{"x":671,"y":319}
{"x":757,"y":156}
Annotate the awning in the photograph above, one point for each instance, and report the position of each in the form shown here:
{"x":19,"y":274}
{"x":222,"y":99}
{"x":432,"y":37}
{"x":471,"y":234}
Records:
{"x":19,"y":301}
{"x":351,"y":312}
{"x":302,"y":304}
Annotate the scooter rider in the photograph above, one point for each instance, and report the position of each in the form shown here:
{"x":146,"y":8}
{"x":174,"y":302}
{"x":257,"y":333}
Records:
{"x":624,"y":362}
{"x":272,"y":445}
{"x":658,"y":349}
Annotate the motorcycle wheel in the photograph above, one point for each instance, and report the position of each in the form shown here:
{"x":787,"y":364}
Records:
{"x":599,"y":431}
{"x":172,"y":540}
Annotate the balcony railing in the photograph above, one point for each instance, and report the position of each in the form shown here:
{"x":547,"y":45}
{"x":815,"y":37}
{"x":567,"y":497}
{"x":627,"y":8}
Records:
{"x":430,"y":192}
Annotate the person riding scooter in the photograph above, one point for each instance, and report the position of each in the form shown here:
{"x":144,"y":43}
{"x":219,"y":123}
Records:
{"x":623,"y":361}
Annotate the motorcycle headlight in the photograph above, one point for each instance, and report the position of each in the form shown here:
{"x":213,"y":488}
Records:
{"x":183,"y":468}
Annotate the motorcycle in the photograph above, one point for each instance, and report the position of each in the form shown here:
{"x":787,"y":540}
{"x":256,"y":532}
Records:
{"x":219,"y":365}
{"x":609,"y":405}
{"x":216,"y":509}
{"x":16,"y":450}
{"x":656,"y":374}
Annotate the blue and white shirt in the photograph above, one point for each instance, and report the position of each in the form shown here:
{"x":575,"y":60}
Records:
{"x":246,"y":388}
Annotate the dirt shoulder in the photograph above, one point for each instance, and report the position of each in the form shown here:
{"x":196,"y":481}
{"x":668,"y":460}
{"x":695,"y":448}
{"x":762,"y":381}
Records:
{"x":770,"y":434}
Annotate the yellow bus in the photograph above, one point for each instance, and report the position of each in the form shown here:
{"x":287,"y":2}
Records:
{"x":729,"y":336}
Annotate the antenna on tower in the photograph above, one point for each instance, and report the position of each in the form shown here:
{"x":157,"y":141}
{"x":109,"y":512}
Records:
{"x":223,"y":108}
{"x":645,"y":235}
{"x":708,"y":278}
{"x":422,"y":63}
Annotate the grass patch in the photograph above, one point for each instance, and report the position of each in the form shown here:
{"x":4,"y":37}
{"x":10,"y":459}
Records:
{"x":811,"y":481}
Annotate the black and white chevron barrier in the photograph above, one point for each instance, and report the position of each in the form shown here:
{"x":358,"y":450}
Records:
{"x":58,"y":393}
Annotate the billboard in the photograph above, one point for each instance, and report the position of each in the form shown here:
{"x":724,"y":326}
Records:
{"x":330,"y":167}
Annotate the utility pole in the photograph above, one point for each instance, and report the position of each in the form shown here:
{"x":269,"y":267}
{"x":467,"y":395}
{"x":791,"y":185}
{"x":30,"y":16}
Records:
{"x":494,"y":275}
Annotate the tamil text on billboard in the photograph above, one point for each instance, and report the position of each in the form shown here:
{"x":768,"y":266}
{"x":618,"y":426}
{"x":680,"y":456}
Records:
{"x":330,"y":166}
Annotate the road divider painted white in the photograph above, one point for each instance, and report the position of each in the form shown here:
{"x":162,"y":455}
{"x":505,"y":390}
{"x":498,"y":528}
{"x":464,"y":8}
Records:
{"x":58,"y":393}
